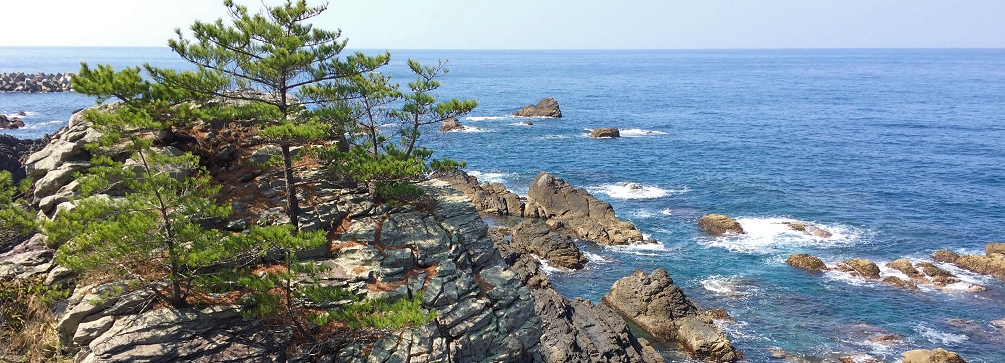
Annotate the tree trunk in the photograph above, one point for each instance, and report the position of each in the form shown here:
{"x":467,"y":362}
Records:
{"x":292,"y":205}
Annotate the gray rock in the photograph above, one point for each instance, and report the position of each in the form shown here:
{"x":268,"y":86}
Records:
{"x":560,"y":251}
{"x":264,"y":154}
{"x":489,"y":199}
{"x":451,"y":124}
{"x":546,"y":107}
{"x":581,"y":215}
{"x":226,"y":154}
{"x":88,"y":330}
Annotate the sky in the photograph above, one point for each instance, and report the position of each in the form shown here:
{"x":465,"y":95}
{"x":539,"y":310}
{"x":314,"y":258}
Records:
{"x":542,"y":24}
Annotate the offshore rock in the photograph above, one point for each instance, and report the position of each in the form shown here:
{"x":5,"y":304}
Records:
{"x":718,"y":225}
{"x":546,"y":107}
{"x":937,"y":355}
{"x":608,"y":132}
{"x":806,"y":262}
{"x":451,"y":124}
{"x":863,"y":267}
{"x":993,"y":266}
{"x":574,"y":211}
{"x":808,"y":229}
{"x":661,"y":308}
{"x":558,"y":250}
{"x":945,"y":256}
{"x":905,"y":266}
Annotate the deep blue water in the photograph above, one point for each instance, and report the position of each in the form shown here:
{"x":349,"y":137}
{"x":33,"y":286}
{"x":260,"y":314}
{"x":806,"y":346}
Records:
{"x":898,"y":152}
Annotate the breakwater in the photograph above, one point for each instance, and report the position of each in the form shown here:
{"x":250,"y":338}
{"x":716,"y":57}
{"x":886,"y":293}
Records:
{"x":35,"y":83}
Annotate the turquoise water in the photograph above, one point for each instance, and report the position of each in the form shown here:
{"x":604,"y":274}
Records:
{"x":898,"y":152}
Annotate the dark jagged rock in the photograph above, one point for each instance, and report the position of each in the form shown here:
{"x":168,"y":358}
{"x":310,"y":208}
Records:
{"x":560,"y":251}
{"x":661,"y":308}
{"x":806,"y":262}
{"x":718,"y":225}
{"x":578,"y":213}
{"x":451,"y":124}
{"x":546,"y":107}
{"x":13,"y":153}
{"x":608,"y":132}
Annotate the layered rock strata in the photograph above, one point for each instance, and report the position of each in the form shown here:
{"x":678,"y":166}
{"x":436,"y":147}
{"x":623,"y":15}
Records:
{"x":661,"y":308}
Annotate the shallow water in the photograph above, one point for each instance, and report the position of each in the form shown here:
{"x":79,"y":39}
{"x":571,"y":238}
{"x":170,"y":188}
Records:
{"x":897,"y":152}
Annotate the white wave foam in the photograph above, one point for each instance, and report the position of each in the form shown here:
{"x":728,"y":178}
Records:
{"x":545,"y":267}
{"x":471,"y":129}
{"x":521,"y":124}
{"x":642,"y":249}
{"x":940,"y":337}
{"x":595,"y":258}
{"x":642,"y":213}
{"x":631,"y":190}
{"x":640,"y":133}
{"x":767,"y":235}
{"x":486,"y":118}
{"x":550,"y":137}
{"x":490,"y":176}
{"x":667,"y":212}
{"x":43,"y":124}
{"x":26,"y":114}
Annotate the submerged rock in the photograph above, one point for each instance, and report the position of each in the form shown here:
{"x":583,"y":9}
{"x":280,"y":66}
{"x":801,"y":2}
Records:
{"x":808,"y":229}
{"x":718,"y":225}
{"x":608,"y":132}
{"x":574,"y":211}
{"x":546,"y":107}
{"x":937,"y":355}
{"x":806,"y":262}
{"x":661,"y":308}
{"x":451,"y":124}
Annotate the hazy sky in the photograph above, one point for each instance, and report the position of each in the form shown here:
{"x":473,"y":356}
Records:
{"x":542,"y":24}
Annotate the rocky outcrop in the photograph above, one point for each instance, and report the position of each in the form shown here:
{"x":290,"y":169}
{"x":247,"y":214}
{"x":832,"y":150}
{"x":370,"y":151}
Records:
{"x":12,"y":123}
{"x":661,"y":308}
{"x":28,"y":258}
{"x":719,"y":225}
{"x":808,"y":229}
{"x":806,"y":262}
{"x":489,"y":199}
{"x":546,"y":107}
{"x":451,"y":124}
{"x":574,"y":211}
{"x":861,"y":267}
{"x":905,"y":267}
{"x":937,"y":355}
{"x":994,"y":250}
{"x":945,"y":256}
{"x":38,"y":82}
{"x":607,"y":132}
{"x":992,"y":263}
{"x":560,"y":251}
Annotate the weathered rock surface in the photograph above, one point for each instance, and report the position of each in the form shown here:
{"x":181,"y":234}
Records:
{"x":862,"y":267}
{"x":937,"y":355}
{"x":945,"y":256}
{"x":661,"y":308}
{"x":940,"y":277}
{"x":718,"y":225}
{"x":28,"y":258}
{"x":605,"y":132}
{"x":489,"y":199}
{"x":898,"y":282}
{"x":558,"y":250}
{"x":905,"y":266}
{"x":451,"y":124}
{"x":574,"y":211}
{"x":994,"y":250}
{"x":806,"y":262}
{"x":13,"y":153}
{"x":546,"y":107}
{"x":993,"y":266}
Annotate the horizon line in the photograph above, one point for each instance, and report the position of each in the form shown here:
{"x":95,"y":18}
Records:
{"x":550,"y":49}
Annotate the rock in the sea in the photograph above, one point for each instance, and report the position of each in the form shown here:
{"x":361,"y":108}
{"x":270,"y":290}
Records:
{"x":451,"y":124}
{"x":995,"y":249}
{"x":718,"y":225}
{"x":898,"y":282}
{"x":863,"y":267}
{"x":983,"y":265}
{"x":559,"y":250}
{"x":808,"y":229}
{"x":937,"y":355}
{"x":580,"y":214}
{"x":945,"y":256}
{"x":806,"y":262}
{"x":605,"y":132}
{"x":719,"y":314}
{"x":661,"y":308}
{"x":546,"y":107}
{"x":905,"y":266}
{"x":939,"y":276}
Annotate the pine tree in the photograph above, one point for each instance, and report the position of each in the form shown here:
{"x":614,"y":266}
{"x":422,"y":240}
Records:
{"x":276,"y":51}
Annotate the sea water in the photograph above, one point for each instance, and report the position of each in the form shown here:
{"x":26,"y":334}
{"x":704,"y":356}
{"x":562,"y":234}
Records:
{"x":898,"y":153}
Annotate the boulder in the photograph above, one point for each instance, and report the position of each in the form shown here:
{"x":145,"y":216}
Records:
{"x":574,"y":211}
{"x":718,"y":225}
{"x":806,"y":262}
{"x":862,"y":267}
{"x":995,"y":249}
{"x":560,"y":251}
{"x":983,"y":265}
{"x":945,"y":256}
{"x":608,"y":132}
{"x":905,"y":266}
{"x":937,"y":355}
{"x":898,"y":282}
{"x":451,"y":124}
{"x":657,"y":305}
{"x":546,"y":107}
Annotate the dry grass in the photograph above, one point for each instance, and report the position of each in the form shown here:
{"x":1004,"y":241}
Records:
{"x":27,"y":328}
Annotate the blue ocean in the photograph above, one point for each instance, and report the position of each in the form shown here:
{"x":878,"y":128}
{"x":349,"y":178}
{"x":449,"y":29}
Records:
{"x":898,"y":153}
